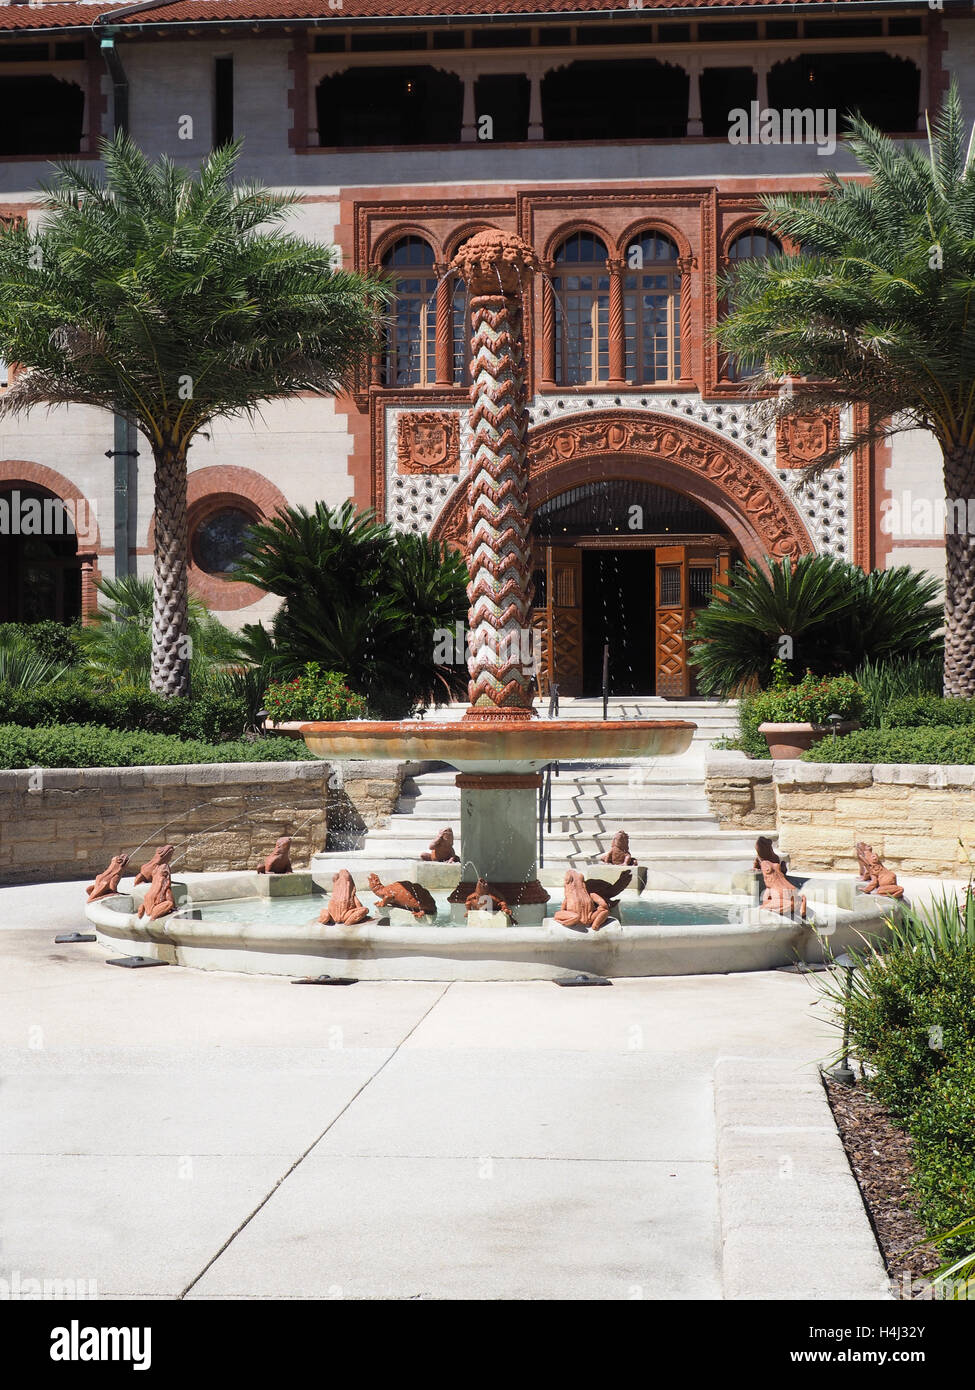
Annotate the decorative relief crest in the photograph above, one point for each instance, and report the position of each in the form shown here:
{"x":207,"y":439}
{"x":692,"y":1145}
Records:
{"x":428,"y":442}
{"x":804,"y":439}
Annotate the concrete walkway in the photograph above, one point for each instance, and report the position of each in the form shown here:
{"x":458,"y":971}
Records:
{"x":167,"y":1132}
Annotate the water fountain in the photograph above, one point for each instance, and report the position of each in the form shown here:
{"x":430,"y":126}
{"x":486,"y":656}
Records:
{"x":498,"y":921}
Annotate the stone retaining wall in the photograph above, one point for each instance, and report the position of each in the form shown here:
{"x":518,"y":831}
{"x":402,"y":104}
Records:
{"x":740,"y":791}
{"x":914,"y":814}
{"x":68,"y":823}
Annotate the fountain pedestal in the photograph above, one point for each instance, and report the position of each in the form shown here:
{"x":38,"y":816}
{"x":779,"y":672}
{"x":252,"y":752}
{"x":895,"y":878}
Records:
{"x":498,"y":829}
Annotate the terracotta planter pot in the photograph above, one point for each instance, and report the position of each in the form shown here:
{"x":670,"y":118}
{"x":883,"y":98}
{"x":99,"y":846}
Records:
{"x":792,"y":740}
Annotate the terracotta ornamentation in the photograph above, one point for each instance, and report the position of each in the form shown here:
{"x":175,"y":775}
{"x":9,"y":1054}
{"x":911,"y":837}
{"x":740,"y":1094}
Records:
{"x":497,"y":268}
{"x":412,"y":897}
{"x":802,"y":440}
{"x":693,"y":449}
{"x":619,"y":850}
{"x":279,"y":860}
{"x":158,"y":900}
{"x":428,"y":442}
{"x":580,"y":908}
{"x":874,"y":877}
{"x":605,"y":892}
{"x":162,"y":856}
{"x":484,"y":900}
{"x":441,"y":849}
{"x":779,"y":895}
{"x":107,"y":881}
{"x":343,"y":907}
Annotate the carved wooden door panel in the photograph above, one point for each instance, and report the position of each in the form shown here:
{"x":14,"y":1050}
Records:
{"x":671,"y":617}
{"x":564,"y":611}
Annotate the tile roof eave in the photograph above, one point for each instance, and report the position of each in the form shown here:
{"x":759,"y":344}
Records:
{"x":21,"y":19}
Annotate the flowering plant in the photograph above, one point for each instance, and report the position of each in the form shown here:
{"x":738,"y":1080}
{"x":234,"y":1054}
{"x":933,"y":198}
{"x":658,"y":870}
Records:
{"x":315,"y":694}
{"x":812,"y":701}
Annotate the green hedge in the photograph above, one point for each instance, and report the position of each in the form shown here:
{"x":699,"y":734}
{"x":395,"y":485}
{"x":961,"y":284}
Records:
{"x":929,"y":711}
{"x":72,"y":700}
{"x":924,"y":745}
{"x":92,"y":745}
{"x":942,"y":1129}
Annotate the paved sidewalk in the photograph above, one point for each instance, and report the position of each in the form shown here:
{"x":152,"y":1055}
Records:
{"x":168,"y":1132}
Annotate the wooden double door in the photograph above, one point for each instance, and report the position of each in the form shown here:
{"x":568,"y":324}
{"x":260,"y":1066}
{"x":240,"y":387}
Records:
{"x":636,"y":603}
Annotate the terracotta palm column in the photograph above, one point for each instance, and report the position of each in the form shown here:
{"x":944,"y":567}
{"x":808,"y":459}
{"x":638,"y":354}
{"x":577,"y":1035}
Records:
{"x":497,"y":268}
{"x":499,"y":807}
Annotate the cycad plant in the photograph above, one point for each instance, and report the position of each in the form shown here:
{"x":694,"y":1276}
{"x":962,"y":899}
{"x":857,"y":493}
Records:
{"x":174,"y":298}
{"x":359,"y":600}
{"x":117,"y":645}
{"x":878,"y":310}
{"x":23,"y":667}
{"x":815,"y":613}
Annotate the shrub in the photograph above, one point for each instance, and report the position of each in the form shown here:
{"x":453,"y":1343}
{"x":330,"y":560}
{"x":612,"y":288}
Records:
{"x":929,"y":711}
{"x":211,"y":716}
{"x":315,"y":694}
{"x":357,"y":599}
{"x":942,"y":1128}
{"x":911,"y":1009}
{"x":884,"y":682}
{"x":816,"y":612}
{"x":926,"y":745}
{"x":55,"y":642}
{"x":24,"y":668}
{"x":93,"y":745}
{"x":812,"y":701}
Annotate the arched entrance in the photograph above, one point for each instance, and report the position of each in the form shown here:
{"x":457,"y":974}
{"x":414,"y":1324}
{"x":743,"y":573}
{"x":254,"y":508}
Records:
{"x":642,"y":512}
{"x":40,"y":569}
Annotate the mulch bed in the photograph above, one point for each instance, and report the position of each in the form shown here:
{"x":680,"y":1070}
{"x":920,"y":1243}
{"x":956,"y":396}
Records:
{"x":880,"y":1156}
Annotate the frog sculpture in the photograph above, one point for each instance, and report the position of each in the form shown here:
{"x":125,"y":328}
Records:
{"x":619,"y":850}
{"x":343,"y":907}
{"x":874,"y":876}
{"x":441,"y":849}
{"x":162,"y":856}
{"x":279,"y":860}
{"x":107,"y":881}
{"x":580,"y":907}
{"x":780,"y":896}
{"x":158,"y":900}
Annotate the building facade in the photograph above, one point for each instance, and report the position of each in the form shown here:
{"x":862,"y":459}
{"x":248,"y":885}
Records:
{"x":628,"y":143}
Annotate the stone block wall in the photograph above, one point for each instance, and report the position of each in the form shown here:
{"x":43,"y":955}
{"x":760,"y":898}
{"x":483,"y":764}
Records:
{"x":361,"y":796}
{"x":919,"y":818}
{"x":67,"y":823}
{"x":740,"y":791}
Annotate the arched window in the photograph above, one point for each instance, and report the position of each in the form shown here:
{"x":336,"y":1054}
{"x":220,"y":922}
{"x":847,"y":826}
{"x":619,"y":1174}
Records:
{"x":581,"y":285}
{"x":752,"y":245}
{"x":651,"y":309}
{"x":410,"y":358}
{"x":461,"y":334}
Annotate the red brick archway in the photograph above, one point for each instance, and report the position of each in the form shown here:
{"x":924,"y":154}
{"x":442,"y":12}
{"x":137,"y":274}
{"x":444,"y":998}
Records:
{"x":209,"y":490}
{"x":25,"y":473}
{"x":636,"y":445}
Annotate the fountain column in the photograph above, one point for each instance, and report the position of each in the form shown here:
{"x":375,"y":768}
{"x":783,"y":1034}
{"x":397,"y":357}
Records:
{"x":499,"y":808}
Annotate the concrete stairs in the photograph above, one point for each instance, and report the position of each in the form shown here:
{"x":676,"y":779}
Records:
{"x":660,"y":802}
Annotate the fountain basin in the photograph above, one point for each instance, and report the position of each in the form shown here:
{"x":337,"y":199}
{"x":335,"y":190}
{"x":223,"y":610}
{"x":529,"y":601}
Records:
{"x":523,"y":745}
{"x":729,"y":935}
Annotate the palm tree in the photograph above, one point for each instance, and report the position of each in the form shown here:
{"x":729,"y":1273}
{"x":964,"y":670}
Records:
{"x":880,"y":309}
{"x":175,"y":299}
{"x":116,"y":646}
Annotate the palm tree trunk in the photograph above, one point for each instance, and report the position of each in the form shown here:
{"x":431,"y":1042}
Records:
{"x":960,"y":578}
{"x":170,"y":627}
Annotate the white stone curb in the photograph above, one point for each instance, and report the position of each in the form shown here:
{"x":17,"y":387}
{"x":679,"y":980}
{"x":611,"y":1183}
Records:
{"x":793,"y":1223}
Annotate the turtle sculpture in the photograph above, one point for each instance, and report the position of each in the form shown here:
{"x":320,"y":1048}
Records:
{"x":874,"y":876}
{"x":107,"y":881}
{"x":343,"y":907}
{"x":279,"y":860}
{"x":162,"y":856}
{"x":411,"y":897}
